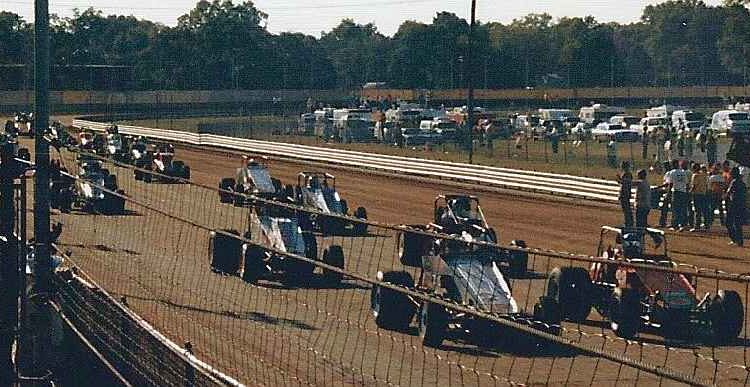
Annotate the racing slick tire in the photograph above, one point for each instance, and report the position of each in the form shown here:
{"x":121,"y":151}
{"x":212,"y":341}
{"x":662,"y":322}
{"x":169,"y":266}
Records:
{"x":226,"y":184}
{"x":518,"y":261}
{"x":359,"y":227}
{"x":24,"y":154}
{"x":333,"y":256}
{"x":727,"y":314}
{"x":625,"y":313}
{"x":410,"y":247}
{"x":392,"y":310}
{"x":225,"y":251}
{"x":571,"y":288}
{"x":298,"y":272}
{"x":433,"y":324}
{"x":252,"y":265}
{"x":186,"y":173}
{"x":239,"y":199}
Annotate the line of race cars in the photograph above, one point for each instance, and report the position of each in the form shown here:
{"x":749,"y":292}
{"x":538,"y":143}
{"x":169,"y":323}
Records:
{"x":457,"y":256}
{"x":86,"y":193}
{"x":458,"y":259}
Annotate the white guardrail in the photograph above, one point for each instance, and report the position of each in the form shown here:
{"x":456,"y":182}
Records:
{"x":515,"y":179}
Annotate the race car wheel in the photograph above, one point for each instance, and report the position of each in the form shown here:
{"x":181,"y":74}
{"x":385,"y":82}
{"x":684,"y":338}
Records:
{"x":117,"y":203}
{"x":277,"y":185}
{"x":571,"y":288}
{"x":333,"y":256}
{"x":393,"y":310}
{"x":410,"y":248}
{"x":360,"y":228}
{"x":24,"y":154}
{"x":518,"y":260}
{"x":137,"y":175}
{"x":344,"y":207}
{"x":727,"y":315}
{"x":433,"y":323}
{"x":186,"y":173}
{"x":225,"y":252}
{"x":625,"y":313}
{"x":253,"y":266}
{"x":226,"y":184}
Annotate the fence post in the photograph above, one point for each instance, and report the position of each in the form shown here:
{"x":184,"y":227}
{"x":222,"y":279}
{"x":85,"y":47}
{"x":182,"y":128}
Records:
{"x":189,"y":369}
{"x":586,"y":145}
{"x":9,"y":290}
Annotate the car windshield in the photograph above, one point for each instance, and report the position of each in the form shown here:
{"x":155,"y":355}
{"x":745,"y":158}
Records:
{"x":446,"y":125}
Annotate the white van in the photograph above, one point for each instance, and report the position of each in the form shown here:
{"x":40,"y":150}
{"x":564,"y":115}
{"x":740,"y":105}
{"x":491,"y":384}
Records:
{"x":599,"y":113}
{"x":731,"y":121}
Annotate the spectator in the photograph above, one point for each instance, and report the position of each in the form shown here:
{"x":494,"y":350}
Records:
{"x":554,"y":138}
{"x":681,"y":143}
{"x":644,"y":143}
{"x":676,"y":181}
{"x":711,"y":148}
{"x":689,"y":208}
{"x":689,"y":141}
{"x":717,"y":188}
{"x":736,"y":208}
{"x":699,"y":190}
{"x":668,"y":149}
{"x":642,"y":200}
{"x":612,"y":154}
{"x":667,"y":198}
{"x":625,"y":178}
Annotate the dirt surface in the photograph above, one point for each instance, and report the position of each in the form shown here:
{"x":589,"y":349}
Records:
{"x":274,"y":334}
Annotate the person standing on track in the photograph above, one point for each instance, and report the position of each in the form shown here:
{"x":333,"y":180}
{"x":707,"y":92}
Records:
{"x":625,"y":178}
{"x":736,"y":208}
{"x":699,"y":190}
{"x":642,"y":200}
{"x":680,"y":198}
{"x":667,"y":199}
{"x":717,"y":188}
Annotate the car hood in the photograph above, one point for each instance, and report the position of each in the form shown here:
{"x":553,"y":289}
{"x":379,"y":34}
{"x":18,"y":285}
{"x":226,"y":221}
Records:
{"x":482,"y":282}
{"x":315,"y":199}
{"x":281,"y":233}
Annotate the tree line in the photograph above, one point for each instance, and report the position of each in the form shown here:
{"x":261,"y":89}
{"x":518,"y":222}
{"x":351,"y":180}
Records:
{"x":223,"y":45}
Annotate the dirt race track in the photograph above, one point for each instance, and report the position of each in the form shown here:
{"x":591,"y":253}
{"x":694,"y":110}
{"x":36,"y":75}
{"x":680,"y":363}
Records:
{"x":272,"y":334}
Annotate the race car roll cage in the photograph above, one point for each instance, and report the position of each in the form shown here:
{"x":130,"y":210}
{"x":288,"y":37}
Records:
{"x":643,"y":231}
{"x":304,"y":178}
{"x":450,"y":211}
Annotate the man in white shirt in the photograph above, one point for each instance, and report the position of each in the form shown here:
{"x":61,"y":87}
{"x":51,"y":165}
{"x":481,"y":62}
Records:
{"x":677,"y":180}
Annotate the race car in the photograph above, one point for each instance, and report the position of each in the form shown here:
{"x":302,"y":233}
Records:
{"x":114,"y":145}
{"x":317,"y":191}
{"x":159,"y":159}
{"x":88,"y":194}
{"x":634,"y":299}
{"x":462,"y":215}
{"x":252,"y":178}
{"x":24,"y":124}
{"x":278,"y":230}
{"x":86,"y":141}
{"x":456,"y":270}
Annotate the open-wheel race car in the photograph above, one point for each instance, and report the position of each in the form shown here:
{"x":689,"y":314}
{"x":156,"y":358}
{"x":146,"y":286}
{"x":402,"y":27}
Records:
{"x":159,"y":159}
{"x":279,"y":230}
{"x":114,"y":145}
{"x":455,"y":269}
{"x":317,"y":191}
{"x":252,"y":178}
{"x":87,"y":194}
{"x":635,"y":299}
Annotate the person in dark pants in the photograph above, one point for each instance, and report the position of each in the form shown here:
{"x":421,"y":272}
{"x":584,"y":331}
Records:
{"x":625,"y":178}
{"x":667,"y":199}
{"x":736,"y":208}
{"x":642,"y":200}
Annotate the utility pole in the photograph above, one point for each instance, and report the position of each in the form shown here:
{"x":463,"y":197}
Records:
{"x":9,"y":278}
{"x":469,"y":71}
{"x":38,"y":312}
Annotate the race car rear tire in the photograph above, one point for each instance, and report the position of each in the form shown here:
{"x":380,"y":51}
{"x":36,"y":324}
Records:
{"x":571,"y":288}
{"x":186,"y":173}
{"x":625,"y":313}
{"x":393,"y":310}
{"x":410,"y":247}
{"x":226,"y":184}
{"x":239,"y":199}
{"x":333,"y":256}
{"x":252,"y":265}
{"x":433,"y":323}
{"x":225,"y":252}
{"x":726,"y":313}
{"x":359,"y":227}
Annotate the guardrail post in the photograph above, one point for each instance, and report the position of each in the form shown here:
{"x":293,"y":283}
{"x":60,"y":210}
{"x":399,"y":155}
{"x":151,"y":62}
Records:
{"x":189,"y":369}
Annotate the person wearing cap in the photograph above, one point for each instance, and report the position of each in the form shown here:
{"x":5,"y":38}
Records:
{"x":735,"y":196}
{"x":667,"y":202}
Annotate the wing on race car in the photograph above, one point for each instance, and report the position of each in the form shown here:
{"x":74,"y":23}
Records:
{"x":482,"y":281}
{"x":281,"y":233}
{"x":259,"y":177}
{"x":315,"y":199}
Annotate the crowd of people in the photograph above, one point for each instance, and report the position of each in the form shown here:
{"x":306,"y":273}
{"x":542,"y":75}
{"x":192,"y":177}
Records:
{"x":691,"y":197}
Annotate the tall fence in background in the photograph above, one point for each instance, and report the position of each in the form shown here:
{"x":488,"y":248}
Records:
{"x":153,"y":265}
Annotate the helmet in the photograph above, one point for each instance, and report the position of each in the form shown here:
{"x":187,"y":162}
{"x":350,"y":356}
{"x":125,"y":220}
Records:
{"x":632,"y":245}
